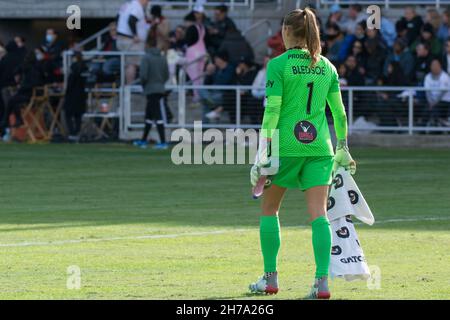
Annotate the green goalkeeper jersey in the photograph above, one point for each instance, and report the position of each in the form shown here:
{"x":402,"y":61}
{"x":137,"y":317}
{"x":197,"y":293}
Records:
{"x":296,"y":101}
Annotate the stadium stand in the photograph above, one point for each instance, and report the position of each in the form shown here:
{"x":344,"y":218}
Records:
{"x":382,"y":71}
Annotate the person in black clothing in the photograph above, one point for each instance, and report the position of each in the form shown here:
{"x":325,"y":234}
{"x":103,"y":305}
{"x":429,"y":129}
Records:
{"x":374,"y":63}
{"x":218,"y":29}
{"x":389,"y":107}
{"x":412,"y":23}
{"x":75,"y":97}
{"x":246,"y":72}
{"x":422,"y":63}
{"x":53,"y":49}
{"x":236,"y":46}
{"x":30,"y":77}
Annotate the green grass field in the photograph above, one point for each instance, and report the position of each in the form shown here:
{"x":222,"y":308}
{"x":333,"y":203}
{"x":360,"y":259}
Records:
{"x":140,"y":227}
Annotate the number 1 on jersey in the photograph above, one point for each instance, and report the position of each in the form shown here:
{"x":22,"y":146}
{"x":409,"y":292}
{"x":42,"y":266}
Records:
{"x":310,"y":85}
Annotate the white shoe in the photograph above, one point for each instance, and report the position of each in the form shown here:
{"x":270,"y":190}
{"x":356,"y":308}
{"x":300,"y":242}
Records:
{"x":212,"y":115}
{"x":265,"y":285}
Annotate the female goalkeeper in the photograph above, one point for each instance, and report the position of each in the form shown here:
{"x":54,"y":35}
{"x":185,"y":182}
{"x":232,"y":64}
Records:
{"x":299,"y":83}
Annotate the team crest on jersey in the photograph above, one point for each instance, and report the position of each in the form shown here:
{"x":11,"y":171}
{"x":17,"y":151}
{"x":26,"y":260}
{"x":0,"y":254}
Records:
{"x":305,"y":132}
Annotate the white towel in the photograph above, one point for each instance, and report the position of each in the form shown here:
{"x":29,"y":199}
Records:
{"x":345,"y":200}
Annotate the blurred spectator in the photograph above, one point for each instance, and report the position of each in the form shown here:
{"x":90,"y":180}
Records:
{"x":438,"y":101}
{"x":443,"y":31}
{"x":53,"y":49}
{"x":359,"y":52}
{"x":112,"y":63}
{"x":355,"y":16}
{"x":259,"y":84}
{"x":433,"y":17}
{"x":342,"y":72}
{"x":388,"y":31}
{"x":246,"y":72}
{"x":196,"y":51}
{"x":412,"y":23}
{"x":2,"y":50}
{"x":403,"y":56}
{"x":236,"y":46}
{"x":334,"y":39}
{"x":446,"y":57}
{"x":360,"y":31}
{"x":177,"y":39}
{"x":162,"y":28}
{"x":132,"y":29}
{"x":75,"y":97}
{"x":336,"y":16}
{"x":154,"y":74}
{"x":422,"y":65}
{"x":353,"y":74}
{"x":276,"y":43}
{"x":427,"y":36}
{"x":219,"y":73}
{"x":9,"y":64}
{"x":376,"y":55}
{"x":29,"y":77}
{"x":41,"y":64}
{"x":105,"y":68}
{"x":389,"y":107}
{"x":219,"y":27}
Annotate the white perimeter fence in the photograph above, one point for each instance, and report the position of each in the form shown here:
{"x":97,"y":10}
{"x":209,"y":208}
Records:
{"x":369,"y":109}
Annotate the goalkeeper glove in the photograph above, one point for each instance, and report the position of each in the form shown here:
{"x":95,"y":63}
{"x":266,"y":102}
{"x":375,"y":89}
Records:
{"x":261,"y":160}
{"x":343,"y":157}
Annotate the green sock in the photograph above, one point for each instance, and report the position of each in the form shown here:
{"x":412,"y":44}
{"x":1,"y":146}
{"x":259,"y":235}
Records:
{"x":269,"y":232}
{"x":321,"y":240}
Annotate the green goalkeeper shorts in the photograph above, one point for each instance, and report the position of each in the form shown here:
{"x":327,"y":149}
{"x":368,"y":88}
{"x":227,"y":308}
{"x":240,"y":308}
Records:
{"x":304,"y":172}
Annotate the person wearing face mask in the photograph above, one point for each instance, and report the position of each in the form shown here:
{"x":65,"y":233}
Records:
{"x":53,"y":48}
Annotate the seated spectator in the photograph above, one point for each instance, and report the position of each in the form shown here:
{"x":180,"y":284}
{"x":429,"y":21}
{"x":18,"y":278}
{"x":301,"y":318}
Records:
{"x":334,"y":40}
{"x":359,"y":52}
{"x":220,"y":73}
{"x":41,"y":64}
{"x":218,"y":28}
{"x":177,"y":39}
{"x":337,"y":17}
{"x":355,"y":16}
{"x":112,"y":64}
{"x":389,"y":107}
{"x":402,"y":30}
{"x":433,"y":17}
{"x":403,"y":56}
{"x":422,"y":63}
{"x":246,"y":72}
{"x":236,"y":46}
{"x":29,"y":77}
{"x":161,"y":26}
{"x":412,"y":23}
{"x":427,"y":36}
{"x":259,"y":84}
{"x":276,"y":43}
{"x":438,"y":101}
{"x":388,"y":32}
{"x":360,"y":31}
{"x":342,"y":72}
{"x":376,"y":55}
{"x":75,"y":97}
{"x":53,"y":48}
{"x":446,"y":57}
{"x":353,"y":75}
{"x":374,"y":34}
{"x":444,"y":29}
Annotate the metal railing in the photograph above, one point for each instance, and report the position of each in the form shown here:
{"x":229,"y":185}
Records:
{"x":406,"y":104}
{"x":190,"y":3}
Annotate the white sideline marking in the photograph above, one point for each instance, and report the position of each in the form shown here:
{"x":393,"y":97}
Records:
{"x":190,"y":234}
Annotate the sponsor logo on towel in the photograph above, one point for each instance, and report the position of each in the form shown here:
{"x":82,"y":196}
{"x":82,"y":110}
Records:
{"x":343,"y":232}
